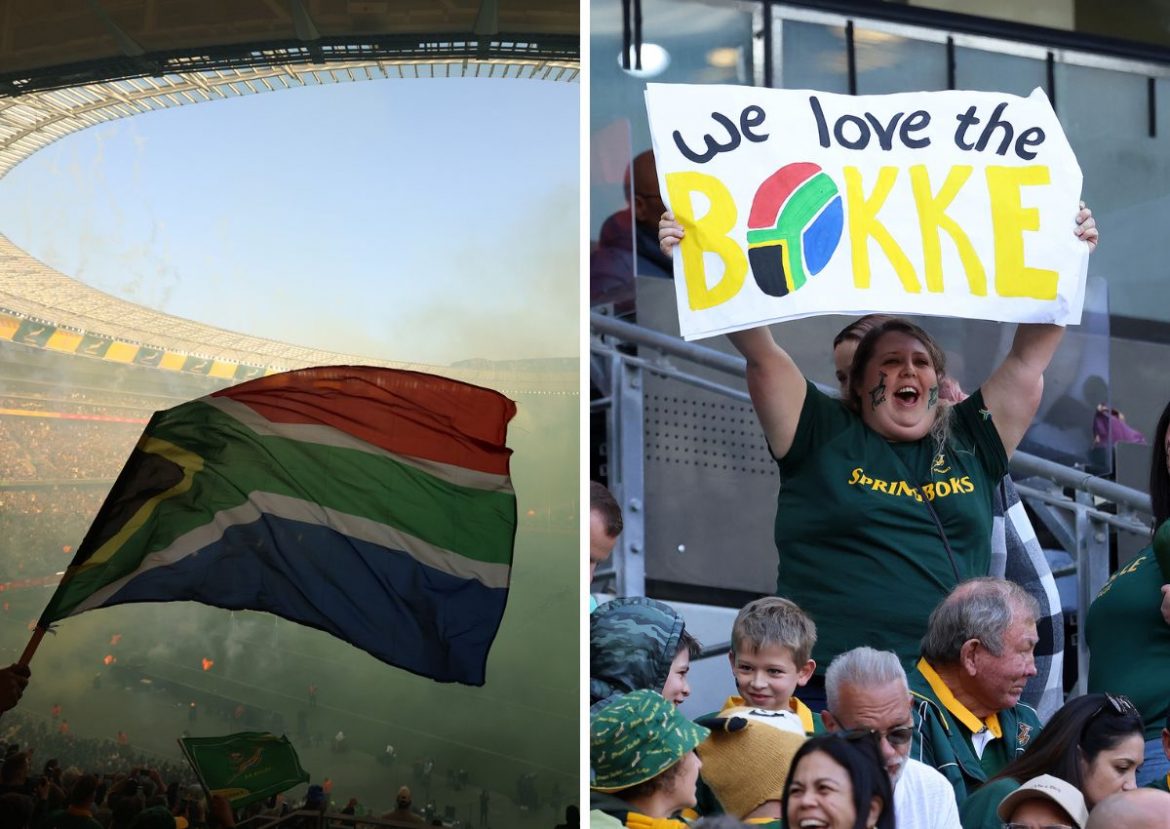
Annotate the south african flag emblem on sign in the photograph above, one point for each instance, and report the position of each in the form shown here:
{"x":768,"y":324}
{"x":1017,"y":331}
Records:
{"x":794,"y":227}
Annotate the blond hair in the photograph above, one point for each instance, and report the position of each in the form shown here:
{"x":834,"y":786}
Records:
{"x":774,"y":621}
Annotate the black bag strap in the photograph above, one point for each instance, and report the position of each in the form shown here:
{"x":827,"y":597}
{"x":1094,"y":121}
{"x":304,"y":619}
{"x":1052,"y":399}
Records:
{"x":942,"y":534}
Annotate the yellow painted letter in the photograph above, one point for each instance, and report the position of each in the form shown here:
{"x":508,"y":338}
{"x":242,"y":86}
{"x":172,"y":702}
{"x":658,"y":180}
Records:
{"x":707,"y":234}
{"x":1009,"y":220}
{"x":932,"y":218}
{"x":863,"y":223}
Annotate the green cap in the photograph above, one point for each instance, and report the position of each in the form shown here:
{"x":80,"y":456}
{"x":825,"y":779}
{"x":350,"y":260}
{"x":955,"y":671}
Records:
{"x":636,"y":738}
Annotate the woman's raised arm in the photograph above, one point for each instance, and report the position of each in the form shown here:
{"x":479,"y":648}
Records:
{"x":1012,"y":394}
{"x":775,"y":383}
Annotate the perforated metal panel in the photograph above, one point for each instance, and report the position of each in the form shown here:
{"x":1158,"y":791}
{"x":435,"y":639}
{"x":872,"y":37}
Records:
{"x":710,"y":487}
{"x":685,"y":427}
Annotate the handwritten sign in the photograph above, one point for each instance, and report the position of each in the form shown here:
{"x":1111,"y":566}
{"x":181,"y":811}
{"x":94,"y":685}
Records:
{"x":796,"y":203}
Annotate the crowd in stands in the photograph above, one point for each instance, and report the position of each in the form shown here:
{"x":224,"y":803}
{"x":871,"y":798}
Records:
{"x":42,"y":527}
{"x":944,"y":745}
{"x":36,"y":448}
{"x":55,"y":780}
{"x":884,"y":685}
{"x":62,"y":448}
{"x":43,"y":517}
{"x":82,"y":409}
{"x":55,"y":473}
{"x":90,"y":401}
{"x":16,"y":463}
{"x":44,"y":746}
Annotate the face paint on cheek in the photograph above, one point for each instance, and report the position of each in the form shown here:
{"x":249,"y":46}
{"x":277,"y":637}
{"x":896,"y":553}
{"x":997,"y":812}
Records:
{"x":932,"y":398}
{"x":877,"y":395}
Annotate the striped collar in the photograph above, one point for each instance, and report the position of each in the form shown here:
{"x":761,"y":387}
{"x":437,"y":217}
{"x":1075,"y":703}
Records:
{"x":960,"y":711}
{"x":794,"y":705}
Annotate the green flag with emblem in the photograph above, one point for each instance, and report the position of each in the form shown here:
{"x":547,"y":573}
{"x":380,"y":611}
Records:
{"x":244,"y":767}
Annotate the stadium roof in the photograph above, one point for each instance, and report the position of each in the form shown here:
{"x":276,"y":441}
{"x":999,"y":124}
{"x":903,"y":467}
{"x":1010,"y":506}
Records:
{"x":65,"y":44}
{"x":68,"y":66}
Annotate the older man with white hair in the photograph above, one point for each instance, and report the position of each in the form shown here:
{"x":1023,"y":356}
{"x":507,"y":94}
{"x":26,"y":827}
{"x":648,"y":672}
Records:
{"x":976,"y":660}
{"x":866,"y":690}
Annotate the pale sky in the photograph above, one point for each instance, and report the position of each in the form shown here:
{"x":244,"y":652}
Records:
{"x":427,"y":220}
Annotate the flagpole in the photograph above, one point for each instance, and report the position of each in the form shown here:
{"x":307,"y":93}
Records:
{"x":31,"y":647}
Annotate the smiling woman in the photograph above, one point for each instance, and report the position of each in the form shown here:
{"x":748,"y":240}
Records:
{"x":837,"y":782}
{"x":899,"y":364}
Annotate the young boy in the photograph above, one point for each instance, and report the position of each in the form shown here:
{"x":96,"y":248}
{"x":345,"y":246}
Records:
{"x":771,"y":643}
{"x":637,"y":643}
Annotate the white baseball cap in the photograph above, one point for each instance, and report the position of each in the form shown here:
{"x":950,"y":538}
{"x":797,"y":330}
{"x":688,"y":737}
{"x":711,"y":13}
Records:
{"x":1046,"y":787}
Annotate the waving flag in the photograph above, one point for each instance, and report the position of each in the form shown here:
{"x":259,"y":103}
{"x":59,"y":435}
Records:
{"x":244,"y":767}
{"x":370,"y":503}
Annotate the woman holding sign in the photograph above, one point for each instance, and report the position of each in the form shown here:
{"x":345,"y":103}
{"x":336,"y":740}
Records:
{"x":1128,"y":627}
{"x":885,"y":503}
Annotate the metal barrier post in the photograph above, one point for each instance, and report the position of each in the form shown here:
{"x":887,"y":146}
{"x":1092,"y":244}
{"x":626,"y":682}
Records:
{"x":626,"y":475}
{"x":1092,"y":557}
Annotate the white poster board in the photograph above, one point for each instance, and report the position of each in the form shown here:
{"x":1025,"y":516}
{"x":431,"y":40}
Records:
{"x":796,"y":203}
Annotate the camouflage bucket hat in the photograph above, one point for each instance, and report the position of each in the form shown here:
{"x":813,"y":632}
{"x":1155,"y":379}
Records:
{"x":636,"y":738}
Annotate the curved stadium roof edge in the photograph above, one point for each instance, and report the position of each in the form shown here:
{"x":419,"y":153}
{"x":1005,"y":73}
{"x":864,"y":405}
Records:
{"x":134,"y":63}
{"x":42,"y":307}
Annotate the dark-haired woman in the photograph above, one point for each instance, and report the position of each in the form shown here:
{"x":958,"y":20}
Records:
{"x":840,"y":784}
{"x":1128,"y":626}
{"x":1093,"y":742}
{"x":886,"y":500}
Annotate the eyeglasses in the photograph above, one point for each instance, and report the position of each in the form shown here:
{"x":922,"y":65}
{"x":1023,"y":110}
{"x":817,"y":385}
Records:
{"x":897,"y":736}
{"x":1030,"y":826}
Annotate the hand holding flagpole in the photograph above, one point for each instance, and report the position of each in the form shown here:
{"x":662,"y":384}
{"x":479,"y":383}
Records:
{"x":13,"y":681}
{"x":31,"y":648}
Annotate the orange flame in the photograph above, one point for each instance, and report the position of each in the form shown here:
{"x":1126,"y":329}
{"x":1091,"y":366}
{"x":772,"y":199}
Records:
{"x":109,"y":659}
{"x":115,"y":639}
{"x":207,"y":663}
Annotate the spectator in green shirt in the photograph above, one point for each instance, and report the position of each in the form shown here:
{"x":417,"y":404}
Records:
{"x":1128,"y":626}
